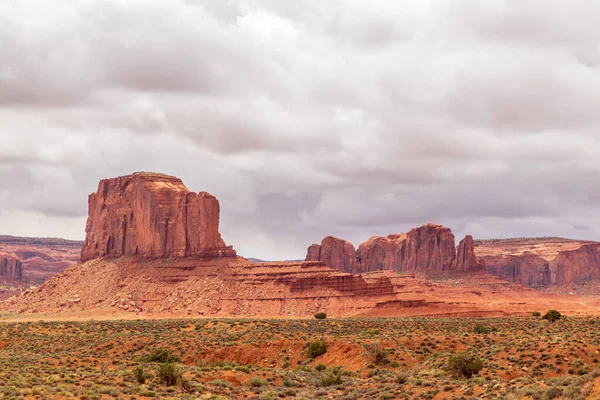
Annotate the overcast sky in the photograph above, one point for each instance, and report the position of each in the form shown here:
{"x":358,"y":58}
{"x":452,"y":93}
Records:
{"x":307,"y":118}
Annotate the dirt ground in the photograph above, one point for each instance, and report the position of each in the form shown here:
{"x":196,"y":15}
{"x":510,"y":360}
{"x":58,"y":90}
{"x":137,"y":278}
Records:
{"x":404,"y":358}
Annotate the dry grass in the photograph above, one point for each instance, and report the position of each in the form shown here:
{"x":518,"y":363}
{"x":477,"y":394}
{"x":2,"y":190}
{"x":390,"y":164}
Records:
{"x":267,"y":359}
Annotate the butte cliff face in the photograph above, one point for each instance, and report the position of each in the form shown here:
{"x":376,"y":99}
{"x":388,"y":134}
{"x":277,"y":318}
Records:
{"x":542,"y":262}
{"x":578,"y":266}
{"x":334,"y":251}
{"x":11,"y":271}
{"x":152,"y":215}
{"x":429,"y":248}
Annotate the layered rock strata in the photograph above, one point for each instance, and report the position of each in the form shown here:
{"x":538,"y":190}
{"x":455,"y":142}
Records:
{"x":429,"y":248}
{"x":152,"y":215}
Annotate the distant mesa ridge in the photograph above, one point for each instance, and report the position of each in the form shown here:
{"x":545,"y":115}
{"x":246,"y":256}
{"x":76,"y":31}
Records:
{"x":429,"y":248}
{"x":152,"y":215}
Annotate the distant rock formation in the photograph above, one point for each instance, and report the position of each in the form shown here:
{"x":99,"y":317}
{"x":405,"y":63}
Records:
{"x":11,"y":271}
{"x":152,"y":215}
{"x":528,"y":269}
{"x":542,"y":262}
{"x":429,"y":248}
{"x":334,"y":251}
{"x":41,"y":258}
{"x":577,"y":266}
{"x":466,"y":259}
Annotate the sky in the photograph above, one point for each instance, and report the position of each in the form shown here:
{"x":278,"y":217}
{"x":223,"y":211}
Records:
{"x":307,"y":118}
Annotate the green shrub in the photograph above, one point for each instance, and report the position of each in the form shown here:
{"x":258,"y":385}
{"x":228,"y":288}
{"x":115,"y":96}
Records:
{"x":333,"y":377}
{"x":185,"y":385}
{"x":320,"y":315}
{"x":481,"y":329}
{"x":536,"y":314}
{"x":378,"y":354}
{"x":169,"y":374}
{"x":553,"y":393}
{"x":316,"y":349}
{"x":162,"y":356}
{"x":464,"y":365}
{"x":401,"y":378}
{"x":258,"y":382}
{"x":140,"y":375}
{"x":552,"y":315}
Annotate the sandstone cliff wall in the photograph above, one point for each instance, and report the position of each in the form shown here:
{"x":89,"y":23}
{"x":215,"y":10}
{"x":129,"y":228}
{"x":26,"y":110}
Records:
{"x":152,"y":215}
{"x":578,"y":265}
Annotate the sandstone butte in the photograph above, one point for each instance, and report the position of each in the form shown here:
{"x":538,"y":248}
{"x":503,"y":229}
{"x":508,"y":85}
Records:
{"x":429,"y":249}
{"x":152,"y":215}
{"x":153,"y":250}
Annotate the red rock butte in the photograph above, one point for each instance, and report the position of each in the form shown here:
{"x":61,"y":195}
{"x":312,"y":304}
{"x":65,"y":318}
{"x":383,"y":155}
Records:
{"x":429,"y":249}
{"x":152,"y":215}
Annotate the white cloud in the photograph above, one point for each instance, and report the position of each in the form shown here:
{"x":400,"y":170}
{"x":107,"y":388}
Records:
{"x":307,"y":118}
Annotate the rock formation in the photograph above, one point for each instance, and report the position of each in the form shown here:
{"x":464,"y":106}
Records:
{"x":152,"y":215}
{"x":577,"y":266}
{"x":334,"y":251}
{"x":466,"y":260}
{"x":11,"y":271}
{"x":41,"y":258}
{"x":381,"y":253}
{"x":429,"y":248}
{"x":528,"y":269}
{"x":542,"y":262}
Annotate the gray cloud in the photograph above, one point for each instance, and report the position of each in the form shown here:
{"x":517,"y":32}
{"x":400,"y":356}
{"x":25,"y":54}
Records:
{"x":306,"y":118}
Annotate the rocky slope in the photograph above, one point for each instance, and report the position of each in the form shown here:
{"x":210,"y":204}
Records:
{"x":558,"y":263}
{"x":428,"y":249}
{"x":40,"y":258}
{"x":152,"y":215}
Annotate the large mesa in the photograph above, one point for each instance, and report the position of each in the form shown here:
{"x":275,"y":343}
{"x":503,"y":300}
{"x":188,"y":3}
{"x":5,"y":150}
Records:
{"x":152,"y":215}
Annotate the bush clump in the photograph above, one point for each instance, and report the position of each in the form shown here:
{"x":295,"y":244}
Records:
{"x":481,"y":329}
{"x":169,"y":374}
{"x":552,"y":316}
{"x":162,"y":356}
{"x":332,"y":377}
{"x":316,"y":349}
{"x":378,"y":354}
{"x":464,"y":365}
{"x":536,"y":314}
{"x":320,"y":315}
{"x":140,"y":375}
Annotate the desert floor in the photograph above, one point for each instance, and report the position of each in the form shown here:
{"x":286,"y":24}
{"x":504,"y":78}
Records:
{"x":404,"y":358}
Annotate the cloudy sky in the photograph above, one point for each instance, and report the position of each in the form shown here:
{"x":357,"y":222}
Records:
{"x":307,"y":118}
